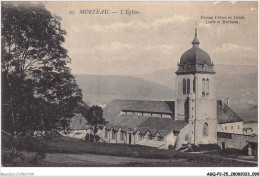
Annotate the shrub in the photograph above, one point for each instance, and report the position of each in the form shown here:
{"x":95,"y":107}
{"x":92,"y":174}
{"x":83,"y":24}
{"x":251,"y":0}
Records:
{"x":206,"y":147}
{"x":170,"y":147}
{"x":231,"y":151}
{"x":97,"y":138}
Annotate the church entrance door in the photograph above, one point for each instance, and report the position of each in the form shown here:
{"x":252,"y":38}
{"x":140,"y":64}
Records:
{"x":223,"y":145}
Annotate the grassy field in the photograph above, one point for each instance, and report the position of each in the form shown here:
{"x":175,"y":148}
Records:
{"x":75,"y":146}
{"x":91,"y":160}
{"x":66,"y":151}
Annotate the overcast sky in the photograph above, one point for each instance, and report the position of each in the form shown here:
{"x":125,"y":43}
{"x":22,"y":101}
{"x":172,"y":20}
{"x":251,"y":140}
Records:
{"x":156,"y":38}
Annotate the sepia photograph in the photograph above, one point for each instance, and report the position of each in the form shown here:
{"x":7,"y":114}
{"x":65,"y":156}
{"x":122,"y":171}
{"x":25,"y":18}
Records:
{"x":129,"y":84}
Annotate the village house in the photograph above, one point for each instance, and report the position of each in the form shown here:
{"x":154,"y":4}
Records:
{"x":78,"y":126}
{"x":250,"y":128}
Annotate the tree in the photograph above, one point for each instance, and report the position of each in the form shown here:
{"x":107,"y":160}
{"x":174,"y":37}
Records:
{"x":38,"y":90}
{"x":82,"y":108}
{"x":95,"y":118}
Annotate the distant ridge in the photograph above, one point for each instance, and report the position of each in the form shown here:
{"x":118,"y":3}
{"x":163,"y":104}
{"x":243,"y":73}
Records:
{"x":239,"y":83}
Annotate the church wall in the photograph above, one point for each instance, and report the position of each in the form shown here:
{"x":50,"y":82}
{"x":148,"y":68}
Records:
{"x":206,"y":105}
{"x":180,"y":97}
{"x":212,"y":85}
{"x":169,"y":139}
{"x":235,"y":127}
{"x":136,"y":137}
{"x":206,"y":110}
{"x":212,"y":132}
{"x":119,"y":140}
{"x":181,"y":137}
{"x":251,"y":128}
{"x":162,"y":115}
{"x":109,"y":135}
{"x":198,"y":108}
{"x":147,"y":114}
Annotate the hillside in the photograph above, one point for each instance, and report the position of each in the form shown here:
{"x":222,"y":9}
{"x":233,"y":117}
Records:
{"x":239,"y":76}
{"x":239,"y":83}
{"x":99,"y":89}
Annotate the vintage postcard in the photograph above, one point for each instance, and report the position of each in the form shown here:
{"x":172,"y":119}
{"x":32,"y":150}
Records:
{"x":129,"y":84}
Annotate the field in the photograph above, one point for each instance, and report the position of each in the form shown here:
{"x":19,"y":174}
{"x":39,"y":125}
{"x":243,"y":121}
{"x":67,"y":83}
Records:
{"x":67,"y":151}
{"x":91,"y":160}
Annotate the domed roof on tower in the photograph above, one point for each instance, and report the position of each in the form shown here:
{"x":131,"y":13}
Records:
{"x":195,"y":60}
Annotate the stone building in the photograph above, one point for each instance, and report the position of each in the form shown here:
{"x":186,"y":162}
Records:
{"x":245,"y":143}
{"x":229,"y":121}
{"x":250,"y":128}
{"x":194,"y":117}
{"x":79,"y":126}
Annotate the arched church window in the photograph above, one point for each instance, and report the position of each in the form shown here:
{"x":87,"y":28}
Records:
{"x":188,"y":86}
{"x":184,"y":87}
{"x":113,"y":134}
{"x":207,"y":87}
{"x":205,"y":130}
{"x":203,"y":86}
{"x":194,"y":84}
{"x":106,"y":132}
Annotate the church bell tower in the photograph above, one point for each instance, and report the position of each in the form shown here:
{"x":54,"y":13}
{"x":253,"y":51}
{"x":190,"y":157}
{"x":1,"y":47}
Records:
{"x":196,"y":95}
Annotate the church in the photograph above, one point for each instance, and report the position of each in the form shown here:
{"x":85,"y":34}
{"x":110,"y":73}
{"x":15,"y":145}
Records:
{"x":194,"y":117}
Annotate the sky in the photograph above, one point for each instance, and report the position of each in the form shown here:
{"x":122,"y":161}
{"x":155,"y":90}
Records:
{"x":154,"y":39}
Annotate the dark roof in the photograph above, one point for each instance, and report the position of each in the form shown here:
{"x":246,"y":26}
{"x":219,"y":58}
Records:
{"x":146,"y":123}
{"x":78,"y":122}
{"x":126,"y":121}
{"x":159,"y":123}
{"x":247,"y":138}
{"x":225,"y":114}
{"x":253,"y":139}
{"x":116,"y":106}
{"x":153,"y":131}
{"x":195,"y":60}
{"x":195,"y":56}
{"x":163,"y":125}
{"x":251,"y":122}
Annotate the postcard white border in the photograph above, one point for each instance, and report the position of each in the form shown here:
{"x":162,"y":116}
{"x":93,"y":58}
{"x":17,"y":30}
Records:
{"x":130,"y":171}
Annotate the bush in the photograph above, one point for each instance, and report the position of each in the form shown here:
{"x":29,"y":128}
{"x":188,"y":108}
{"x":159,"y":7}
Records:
{"x":170,"y":147}
{"x":97,"y":138}
{"x":34,"y":144}
{"x":231,"y":151}
{"x":28,"y":143}
{"x":207,"y":147}
{"x":77,"y":146}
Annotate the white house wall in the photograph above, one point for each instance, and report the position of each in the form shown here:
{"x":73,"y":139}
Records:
{"x":79,"y":134}
{"x":253,"y":126}
{"x":235,"y":127}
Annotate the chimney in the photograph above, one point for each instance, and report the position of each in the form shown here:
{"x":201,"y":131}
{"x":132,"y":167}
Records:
{"x":222,"y":103}
{"x":228,"y":101}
